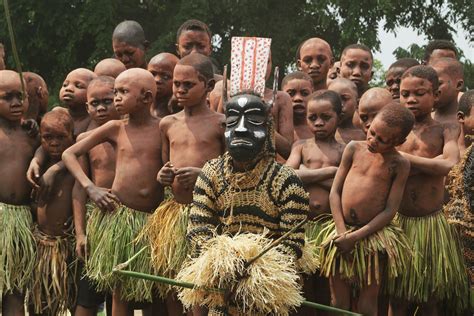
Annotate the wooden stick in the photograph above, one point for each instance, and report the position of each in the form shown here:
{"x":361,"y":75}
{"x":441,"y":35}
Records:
{"x":275,"y":243}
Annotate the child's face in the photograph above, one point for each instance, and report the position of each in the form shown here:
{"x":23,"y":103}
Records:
{"x":73,"y":93}
{"x":130,"y":56}
{"x":193,"y":42}
{"x":315,"y":60}
{"x":127,"y":94}
{"x":417,"y":95}
{"x":189,"y":87}
{"x":163,"y":74}
{"x":348,"y":98}
{"x":468,"y":124}
{"x":448,"y":92}
{"x":333,"y":73}
{"x":322,"y":119}
{"x":100,"y":103}
{"x":368,"y":111}
{"x":381,"y":138}
{"x":356,"y":65}
{"x":299,"y":90}
{"x":392,"y":80}
{"x":12,"y":107}
{"x":55,"y":138}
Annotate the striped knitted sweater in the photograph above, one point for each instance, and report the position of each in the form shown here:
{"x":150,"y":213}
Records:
{"x":270,"y":196}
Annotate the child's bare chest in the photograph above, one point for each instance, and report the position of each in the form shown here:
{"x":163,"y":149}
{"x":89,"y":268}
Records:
{"x":427,"y":143}
{"x":371,"y":166}
{"x":102,"y":156}
{"x":138,"y":143}
{"x":183,"y":135}
{"x":314,"y":157}
{"x":16,"y":145}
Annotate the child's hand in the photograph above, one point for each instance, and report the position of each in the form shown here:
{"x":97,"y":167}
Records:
{"x":46,"y":184}
{"x":31,"y":127}
{"x":187,"y":176}
{"x":345,"y":243}
{"x":103,"y":198}
{"x":33,"y":173}
{"x":81,"y":246}
{"x":166,"y":174}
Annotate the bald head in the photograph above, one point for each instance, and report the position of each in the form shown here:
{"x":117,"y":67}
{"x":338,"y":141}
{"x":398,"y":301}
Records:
{"x":138,"y":78}
{"x":343,"y":82}
{"x":109,"y":67}
{"x":314,"y":42}
{"x":85,"y":74}
{"x":130,"y":32}
{"x":163,"y":58}
{"x":58,"y":118}
{"x":38,"y":94}
{"x":371,"y":102}
{"x":9,"y":78}
{"x":449,"y":66}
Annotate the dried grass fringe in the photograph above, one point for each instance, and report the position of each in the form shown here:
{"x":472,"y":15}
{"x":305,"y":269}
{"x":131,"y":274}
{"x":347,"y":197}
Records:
{"x":437,"y":268}
{"x":52,"y":288}
{"x":111,"y":240}
{"x":271,"y":285}
{"x":17,"y":248}
{"x":366,"y":256}
{"x":166,"y":232}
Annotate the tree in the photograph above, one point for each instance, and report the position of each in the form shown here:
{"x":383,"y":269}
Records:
{"x":56,"y":36}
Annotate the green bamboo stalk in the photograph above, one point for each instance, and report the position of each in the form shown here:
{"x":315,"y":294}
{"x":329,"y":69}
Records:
{"x":14,"y":50}
{"x":125,"y":264}
{"x":187,"y":285}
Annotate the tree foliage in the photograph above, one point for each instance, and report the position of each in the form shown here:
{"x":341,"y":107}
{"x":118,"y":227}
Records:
{"x":55,"y":36}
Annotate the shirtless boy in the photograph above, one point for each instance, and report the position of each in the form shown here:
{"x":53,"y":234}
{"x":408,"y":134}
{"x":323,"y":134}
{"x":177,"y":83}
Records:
{"x":73,"y":95}
{"x":394,"y":75}
{"x":17,"y":250}
{"x":99,"y":163}
{"x":356,"y":65}
{"x":109,"y":67}
{"x":364,"y":198}
{"x":135,"y":193}
{"x":129,"y":44}
{"x":371,"y":103}
{"x":314,"y":57}
{"x":37,"y":96}
{"x":190,"y":138}
{"x":346,"y":130}
{"x":320,"y":156}
{"x":51,"y":287}
{"x":466,"y":119}
{"x":161,"y":67}
{"x":420,"y":212}
{"x":299,"y":86}
{"x":451,"y":82}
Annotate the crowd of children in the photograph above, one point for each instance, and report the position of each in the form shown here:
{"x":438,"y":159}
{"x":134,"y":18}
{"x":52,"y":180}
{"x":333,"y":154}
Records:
{"x":111,"y":173}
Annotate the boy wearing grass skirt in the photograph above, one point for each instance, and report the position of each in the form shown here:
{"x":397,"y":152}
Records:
{"x":52,"y":289}
{"x":134,"y":195}
{"x":190,"y":138}
{"x":363,"y":242}
{"x":320,"y":156}
{"x":436,"y":275}
{"x":17,"y":247}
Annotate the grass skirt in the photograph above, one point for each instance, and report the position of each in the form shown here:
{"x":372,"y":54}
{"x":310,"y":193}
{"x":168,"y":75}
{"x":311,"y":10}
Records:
{"x":366,"y":257}
{"x":17,"y":248}
{"x":52,"y":288}
{"x":111,"y":238}
{"x":437,"y":269}
{"x":269,"y":286}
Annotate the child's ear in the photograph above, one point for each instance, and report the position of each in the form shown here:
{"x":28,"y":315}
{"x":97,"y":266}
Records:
{"x":211,"y":84}
{"x":147,"y":97}
{"x":459,"y":84}
{"x":87,"y":108}
{"x":298,"y":64}
{"x":460,"y":115}
{"x":436,"y":94}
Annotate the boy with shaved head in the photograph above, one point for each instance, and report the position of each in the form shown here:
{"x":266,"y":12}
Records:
{"x":17,"y":250}
{"x":134,"y":195}
{"x":451,"y":81}
{"x":37,"y":96}
{"x":161,"y":67}
{"x":371,"y":102}
{"x":109,"y":67}
{"x":129,"y":44}
{"x":314,"y":57}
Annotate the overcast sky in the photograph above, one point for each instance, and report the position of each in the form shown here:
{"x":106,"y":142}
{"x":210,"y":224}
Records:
{"x":404,"y":37}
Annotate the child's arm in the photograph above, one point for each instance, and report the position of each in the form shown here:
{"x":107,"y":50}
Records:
{"x":336,"y":189}
{"x":79,"y":200}
{"x":439,"y":166}
{"x":107,"y":132}
{"x":346,"y":242}
{"x":166,"y":174}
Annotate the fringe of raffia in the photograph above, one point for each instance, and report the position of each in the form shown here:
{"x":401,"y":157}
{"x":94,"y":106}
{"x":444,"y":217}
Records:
{"x":17,"y":248}
{"x":166,"y":232}
{"x":364,"y":261}
{"x":111,"y":239}
{"x":309,"y":261}
{"x":269,"y":285}
{"x":437,"y":268}
{"x":52,"y":288}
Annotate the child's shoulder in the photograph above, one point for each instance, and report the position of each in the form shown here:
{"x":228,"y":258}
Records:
{"x":166,"y":121}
